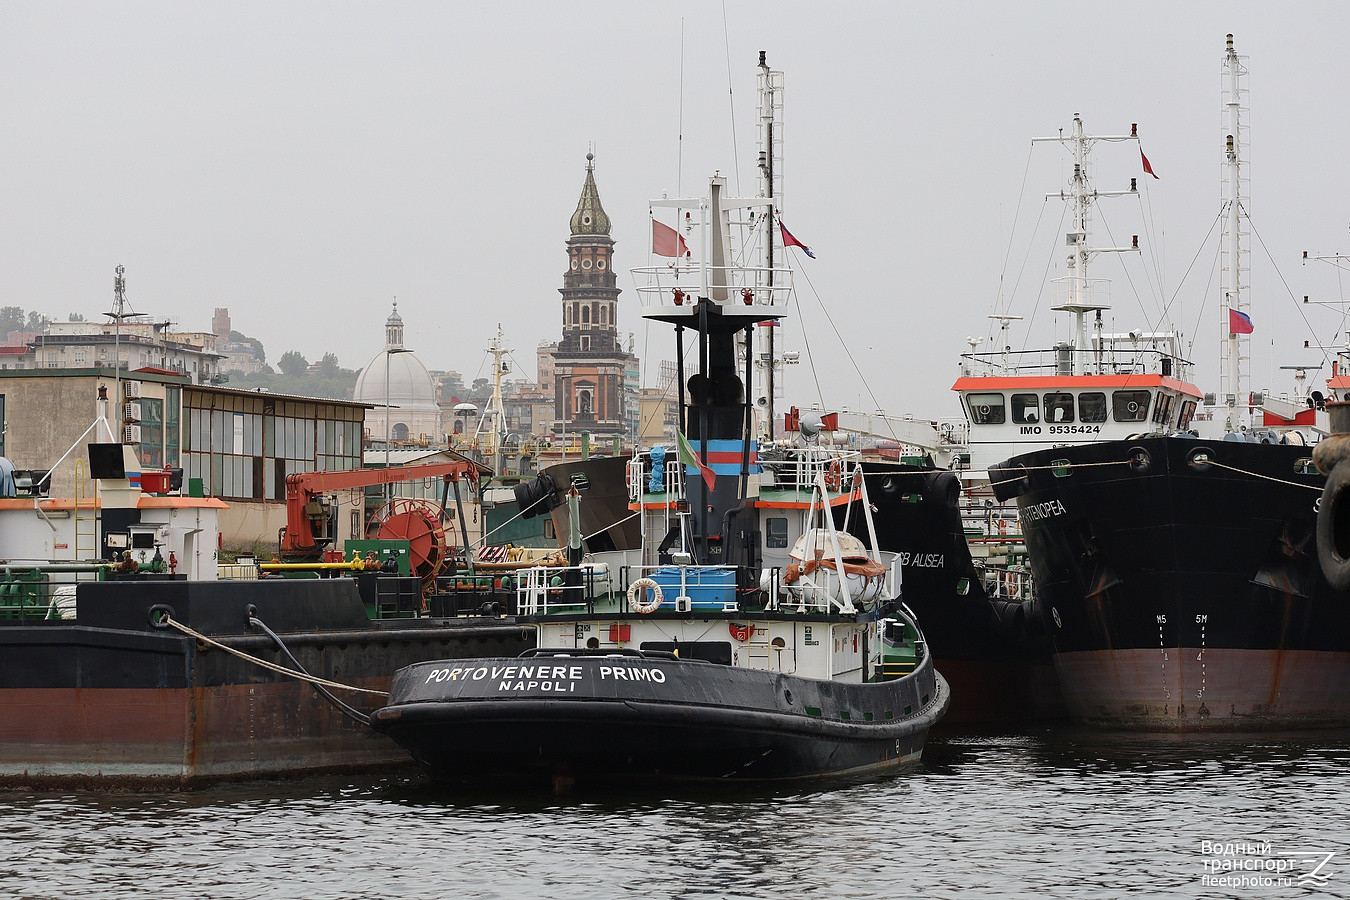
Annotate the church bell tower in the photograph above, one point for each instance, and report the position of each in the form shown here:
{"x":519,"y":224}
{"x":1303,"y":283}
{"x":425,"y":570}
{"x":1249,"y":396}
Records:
{"x":591,"y":368}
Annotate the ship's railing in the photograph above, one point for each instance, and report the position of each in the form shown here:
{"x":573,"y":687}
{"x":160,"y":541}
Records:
{"x":553,"y":590}
{"x":801,"y":467}
{"x":1012,"y":583}
{"x":670,"y":484}
{"x":686,"y":588}
{"x":45,"y":592}
{"x":658,"y":285}
{"x":1065,"y":361}
{"x":823,"y":593}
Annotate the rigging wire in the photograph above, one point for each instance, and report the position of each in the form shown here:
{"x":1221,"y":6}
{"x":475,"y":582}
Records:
{"x":1050,"y":261}
{"x":1312,"y":331}
{"x":679,"y":122}
{"x":731,"y":99}
{"x":847,"y":352}
{"x":806,"y":342}
{"x":1012,"y":232}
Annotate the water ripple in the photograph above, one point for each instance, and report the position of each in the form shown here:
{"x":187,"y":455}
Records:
{"x":1043,"y":815}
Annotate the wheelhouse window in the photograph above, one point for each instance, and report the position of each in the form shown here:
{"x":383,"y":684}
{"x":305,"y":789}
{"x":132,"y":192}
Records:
{"x":1026,"y":408}
{"x":986,"y":409}
{"x":1187,"y":412}
{"x":1163,"y":410}
{"x":1092,"y":406}
{"x":1058,"y":408}
{"x":1130,"y":406}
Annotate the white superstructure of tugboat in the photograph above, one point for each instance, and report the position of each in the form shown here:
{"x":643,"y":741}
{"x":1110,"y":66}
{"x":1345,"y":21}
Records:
{"x":751,"y":640}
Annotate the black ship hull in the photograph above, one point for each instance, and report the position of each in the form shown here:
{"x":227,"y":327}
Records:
{"x":1179,"y":582}
{"x":111,"y":700}
{"x":605,"y":719}
{"x":995,"y":654}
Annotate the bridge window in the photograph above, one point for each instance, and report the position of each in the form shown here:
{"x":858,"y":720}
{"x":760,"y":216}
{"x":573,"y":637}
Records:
{"x":1026,"y":408}
{"x":1092,"y":407}
{"x":1130,"y":406}
{"x":1187,"y":410}
{"x":986,"y":409}
{"x":1162,"y":412}
{"x":776,"y":533}
{"x":1059,"y":407}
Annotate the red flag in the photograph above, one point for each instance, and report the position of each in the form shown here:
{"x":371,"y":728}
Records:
{"x":790,"y":241}
{"x":1147,"y":167}
{"x":666,"y":241}
{"x":1239,"y":322}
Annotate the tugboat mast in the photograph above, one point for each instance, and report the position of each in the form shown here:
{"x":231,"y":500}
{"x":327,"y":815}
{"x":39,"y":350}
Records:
{"x":1234,"y":245}
{"x":498,"y":350}
{"x":1081,"y":294}
{"x":771,"y":186}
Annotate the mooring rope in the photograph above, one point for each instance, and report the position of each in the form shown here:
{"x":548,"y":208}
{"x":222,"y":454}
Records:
{"x":1065,"y":465}
{"x":1311,"y":487}
{"x":281,"y":670}
{"x":1126,"y":462}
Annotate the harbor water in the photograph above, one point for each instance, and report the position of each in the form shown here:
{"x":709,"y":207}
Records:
{"x":1054,"y":813}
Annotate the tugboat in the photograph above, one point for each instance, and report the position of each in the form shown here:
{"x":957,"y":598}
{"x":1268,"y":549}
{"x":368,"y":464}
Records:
{"x":753,"y":640}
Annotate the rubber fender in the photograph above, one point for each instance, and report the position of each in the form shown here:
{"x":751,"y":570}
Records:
{"x":944,"y":491}
{"x":1011,"y":617}
{"x":532,"y":496}
{"x":1333,"y":527}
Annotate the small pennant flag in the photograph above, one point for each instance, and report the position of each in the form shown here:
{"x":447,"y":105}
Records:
{"x":790,"y":241}
{"x":1239,"y":322}
{"x":1147,"y":168}
{"x":690,"y":458}
{"x":666,"y":241}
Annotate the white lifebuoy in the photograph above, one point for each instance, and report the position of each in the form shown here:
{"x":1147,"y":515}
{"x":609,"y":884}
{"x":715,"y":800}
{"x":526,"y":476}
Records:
{"x":645,"y":606}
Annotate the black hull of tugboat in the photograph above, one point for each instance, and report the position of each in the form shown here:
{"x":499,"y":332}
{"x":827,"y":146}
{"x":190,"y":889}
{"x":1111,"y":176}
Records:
{"x":1179,"y":581}
{"x":665,"y":720}
{"x":994,"y":654}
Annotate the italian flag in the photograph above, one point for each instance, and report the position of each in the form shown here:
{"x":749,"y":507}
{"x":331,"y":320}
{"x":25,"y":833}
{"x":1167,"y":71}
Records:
{"x":690,"y":458}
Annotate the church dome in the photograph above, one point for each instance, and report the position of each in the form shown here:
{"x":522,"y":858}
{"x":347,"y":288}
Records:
{"x":409,"y":382}
{"x":409,"y":390}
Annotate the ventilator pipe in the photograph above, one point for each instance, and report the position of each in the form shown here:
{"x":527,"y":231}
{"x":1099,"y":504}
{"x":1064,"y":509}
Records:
{"x":1332,"y":456}
{"x":17,"y":568}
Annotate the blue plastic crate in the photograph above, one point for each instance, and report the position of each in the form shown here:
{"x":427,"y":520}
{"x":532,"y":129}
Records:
{"x":705,"y":588}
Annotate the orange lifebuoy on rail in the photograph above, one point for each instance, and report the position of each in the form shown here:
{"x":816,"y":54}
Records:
{"x":834,"y":475}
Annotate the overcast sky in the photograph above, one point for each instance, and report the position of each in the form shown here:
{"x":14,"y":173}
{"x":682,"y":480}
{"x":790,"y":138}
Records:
{"x":302,"y":164}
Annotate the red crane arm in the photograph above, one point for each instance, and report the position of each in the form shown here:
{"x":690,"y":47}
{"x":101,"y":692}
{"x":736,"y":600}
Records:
{"x":303,"y":489}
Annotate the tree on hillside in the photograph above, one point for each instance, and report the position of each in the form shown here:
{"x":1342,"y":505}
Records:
{"x":258,"y":352}
{"x":292,"y":364}
{"x":13,"y":318}
{"x":74,"y":317}
{"x":328,"y":366}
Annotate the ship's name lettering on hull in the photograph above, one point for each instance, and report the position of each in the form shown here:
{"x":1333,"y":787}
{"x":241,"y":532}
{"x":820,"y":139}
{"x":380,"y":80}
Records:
{"x":921,"y":560}
{"x":632,"y":673}
{"x":516,"y":672}
{"x":1045,"y":510}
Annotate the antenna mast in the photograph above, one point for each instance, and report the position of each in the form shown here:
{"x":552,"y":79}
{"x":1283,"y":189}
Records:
{"x":1234,"y":247}
{"x":1081,"y":294}
{"x":770,"y":186}
{"x":497,"y":348}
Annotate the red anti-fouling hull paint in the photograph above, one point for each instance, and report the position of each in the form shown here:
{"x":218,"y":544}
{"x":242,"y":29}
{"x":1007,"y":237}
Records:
{"x":1199,"y":689}
{"x":114,"y":701}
